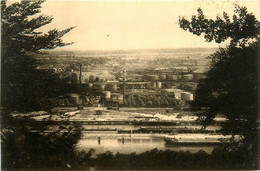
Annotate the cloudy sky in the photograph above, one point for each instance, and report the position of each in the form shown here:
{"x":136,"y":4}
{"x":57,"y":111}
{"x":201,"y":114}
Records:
{"x":103,"y":25}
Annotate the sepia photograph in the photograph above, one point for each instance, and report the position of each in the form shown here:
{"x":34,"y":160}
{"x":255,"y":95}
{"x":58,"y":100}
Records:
{"x":130,"y":85}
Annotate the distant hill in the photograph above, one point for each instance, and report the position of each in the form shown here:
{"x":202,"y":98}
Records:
{"x":153,"y":53}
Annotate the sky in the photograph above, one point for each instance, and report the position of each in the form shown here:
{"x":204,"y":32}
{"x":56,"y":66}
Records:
{"x":111,"y":25}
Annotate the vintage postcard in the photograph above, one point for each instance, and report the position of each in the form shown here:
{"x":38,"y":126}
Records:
{"x":129,"y":85}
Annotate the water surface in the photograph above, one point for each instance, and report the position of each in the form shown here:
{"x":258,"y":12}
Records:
{"x":134,"y":144}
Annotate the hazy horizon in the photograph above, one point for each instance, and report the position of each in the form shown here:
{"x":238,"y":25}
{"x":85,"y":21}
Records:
{"x":144,"y":49}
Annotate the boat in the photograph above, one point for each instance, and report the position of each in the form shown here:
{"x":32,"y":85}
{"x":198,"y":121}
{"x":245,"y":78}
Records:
{"x":194,"y":139}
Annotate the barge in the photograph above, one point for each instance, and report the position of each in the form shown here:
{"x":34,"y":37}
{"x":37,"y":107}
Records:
{"x":197,"y":139}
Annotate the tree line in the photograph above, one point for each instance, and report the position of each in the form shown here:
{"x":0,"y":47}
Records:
{"x":162,"y":100}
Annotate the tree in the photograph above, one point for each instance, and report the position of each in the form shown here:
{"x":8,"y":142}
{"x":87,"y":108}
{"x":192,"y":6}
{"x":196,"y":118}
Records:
{"x":21,"y":82}
{"x":24,"y":88}
{"x":25,"y":150}
{"x":242,"y":27}
{"x":231,"y":86}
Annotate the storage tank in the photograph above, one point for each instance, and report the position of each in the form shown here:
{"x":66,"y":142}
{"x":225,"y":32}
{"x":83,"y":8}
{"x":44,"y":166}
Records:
{"x":120,"y":97}
{"x":114,"y":87}
{"x":90,"y":84}
{"x":107,"y":94}
{"x":187,"y":77}
{"x":102,"y":87}
{"x":187,"y":96}
{"x":159,"y":85}
{"x":92,"y":78}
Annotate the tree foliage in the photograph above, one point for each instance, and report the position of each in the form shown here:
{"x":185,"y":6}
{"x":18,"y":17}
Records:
{"x":240,"y":28}
{"x":231,"y":86}
{"x":19,"y":32}
{"x":23,"y":149}
{"x":171,"y":160}
{"x":150,"y":101}
{"x":22,"y":85}
{"x":25,"y":88}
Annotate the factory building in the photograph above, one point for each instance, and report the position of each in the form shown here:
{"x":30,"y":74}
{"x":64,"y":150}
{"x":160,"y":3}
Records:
{"x":171,"y":77}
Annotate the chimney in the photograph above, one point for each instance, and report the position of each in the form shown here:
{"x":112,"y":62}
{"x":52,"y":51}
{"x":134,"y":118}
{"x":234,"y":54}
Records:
{"x":124,"y":79}
{"x":80,"y":73}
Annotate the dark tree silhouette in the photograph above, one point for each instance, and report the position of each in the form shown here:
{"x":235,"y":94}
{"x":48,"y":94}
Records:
{"x":24,"y":88}
{"x":22,"y":149}
{"x":242,"y":27}
{"x":231,"y":86}
{"x":22,"y":85}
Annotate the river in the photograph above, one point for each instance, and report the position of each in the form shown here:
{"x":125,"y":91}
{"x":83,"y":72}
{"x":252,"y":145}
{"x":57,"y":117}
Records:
{"x":135,"y":143}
